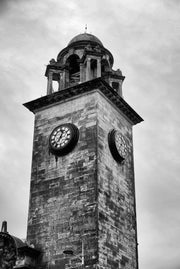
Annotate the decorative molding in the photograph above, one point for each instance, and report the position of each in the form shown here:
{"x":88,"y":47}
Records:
{"x":82,"y":88}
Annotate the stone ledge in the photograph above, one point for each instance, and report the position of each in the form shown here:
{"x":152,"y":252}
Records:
{"x":82,"y":88}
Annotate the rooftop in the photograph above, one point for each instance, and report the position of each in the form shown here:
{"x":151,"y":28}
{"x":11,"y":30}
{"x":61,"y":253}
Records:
{"x":85,"y":37}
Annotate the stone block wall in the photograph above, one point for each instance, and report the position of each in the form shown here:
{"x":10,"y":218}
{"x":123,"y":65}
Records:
{"x":116,"y":194}
{"x":63,"y":194}
{"x":84,"y":195}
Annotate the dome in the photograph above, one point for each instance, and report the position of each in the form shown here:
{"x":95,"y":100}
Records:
{"x":85,"y":37}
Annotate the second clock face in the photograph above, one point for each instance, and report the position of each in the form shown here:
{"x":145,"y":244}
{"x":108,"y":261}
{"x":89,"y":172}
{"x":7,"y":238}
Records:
{"x":117,"y":145}
{"x":63,"y":138}
{"x":120,"y":144}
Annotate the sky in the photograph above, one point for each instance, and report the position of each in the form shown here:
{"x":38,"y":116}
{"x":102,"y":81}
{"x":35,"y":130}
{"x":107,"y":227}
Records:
{"x":143,"y":37}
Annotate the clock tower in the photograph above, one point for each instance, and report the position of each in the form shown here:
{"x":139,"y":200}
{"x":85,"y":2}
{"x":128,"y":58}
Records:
{"x":82,"y":211}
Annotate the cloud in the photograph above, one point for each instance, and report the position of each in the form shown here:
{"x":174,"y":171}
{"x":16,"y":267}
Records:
{"x":4,"y":5}
{"x":144,"y":39}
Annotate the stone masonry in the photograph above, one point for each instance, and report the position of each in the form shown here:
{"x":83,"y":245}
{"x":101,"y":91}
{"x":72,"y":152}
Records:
{"x":63,"y":201}
{"x":116,"y":194}
{"x":84,"y":196}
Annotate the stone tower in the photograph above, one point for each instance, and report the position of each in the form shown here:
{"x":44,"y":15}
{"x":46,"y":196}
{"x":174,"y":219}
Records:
{"x":82,"y":211}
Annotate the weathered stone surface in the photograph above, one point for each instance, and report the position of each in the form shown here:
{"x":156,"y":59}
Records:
{"x":63,"y":192}
{"x":116,"y":194}
{"x":84,"y":195}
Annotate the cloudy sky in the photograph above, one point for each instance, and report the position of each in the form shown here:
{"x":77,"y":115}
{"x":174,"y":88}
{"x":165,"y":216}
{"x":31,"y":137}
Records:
{"x":144,"y":38}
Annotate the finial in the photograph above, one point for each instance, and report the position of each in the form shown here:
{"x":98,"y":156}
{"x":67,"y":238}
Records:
{"x":86,"y":28}
{"x":4,"y":227}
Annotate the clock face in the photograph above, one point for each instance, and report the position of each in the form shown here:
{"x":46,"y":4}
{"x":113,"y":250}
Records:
{"x":60,"y":137}
{"x":117,"y":145}
{"x":63,"y":138}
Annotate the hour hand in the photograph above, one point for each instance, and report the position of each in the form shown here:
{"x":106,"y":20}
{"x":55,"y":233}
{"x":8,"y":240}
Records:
{"x":59,"y":137}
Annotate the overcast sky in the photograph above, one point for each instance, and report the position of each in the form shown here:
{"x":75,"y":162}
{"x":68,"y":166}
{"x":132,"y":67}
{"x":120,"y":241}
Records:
{"x":143,"y":37}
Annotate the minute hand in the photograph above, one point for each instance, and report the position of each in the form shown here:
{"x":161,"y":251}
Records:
{"x":60,"y":136}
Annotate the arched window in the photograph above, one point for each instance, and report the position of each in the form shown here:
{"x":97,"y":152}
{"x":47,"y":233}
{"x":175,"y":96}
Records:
{"x":55,"y":85}
{"x":74,"y":69}
{"x":93,"y":68}
{"x":115,"y":85}
{"x":104,"y":66}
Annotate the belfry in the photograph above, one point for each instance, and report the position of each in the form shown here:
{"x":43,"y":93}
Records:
{"x":82,"y":208}
{"x":85,"y":58}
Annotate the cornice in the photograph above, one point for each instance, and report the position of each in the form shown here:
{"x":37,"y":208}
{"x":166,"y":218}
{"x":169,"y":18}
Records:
{"x":83,"y":88}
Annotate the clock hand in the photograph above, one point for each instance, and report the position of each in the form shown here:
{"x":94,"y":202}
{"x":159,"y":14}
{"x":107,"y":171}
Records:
{"x":60,"y":136}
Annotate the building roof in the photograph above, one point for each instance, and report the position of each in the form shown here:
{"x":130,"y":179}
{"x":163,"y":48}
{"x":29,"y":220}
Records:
{"x":85,"y":37}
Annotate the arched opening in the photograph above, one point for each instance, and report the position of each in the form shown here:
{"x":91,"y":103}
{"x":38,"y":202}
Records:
{"x":55,"y":86}
{"x":93,"y":68}
{"x":115,"y":86}
{"x":74,"y":69}
{"x":104,"y":66}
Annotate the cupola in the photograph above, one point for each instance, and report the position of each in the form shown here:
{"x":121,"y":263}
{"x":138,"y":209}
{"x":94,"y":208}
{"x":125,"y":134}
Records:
{"x":85,"y":58}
